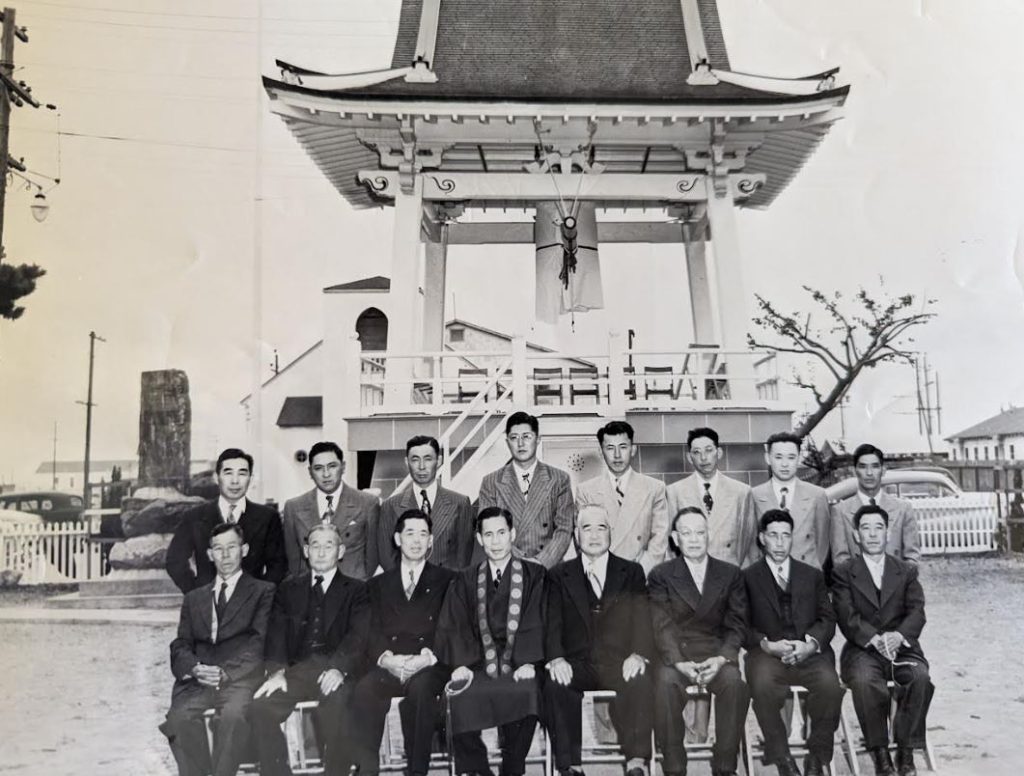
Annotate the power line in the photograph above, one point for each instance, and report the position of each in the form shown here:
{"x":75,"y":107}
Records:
{"x":140,"y":73}
{"x":226,"y":31}
{"x":393,"y":20}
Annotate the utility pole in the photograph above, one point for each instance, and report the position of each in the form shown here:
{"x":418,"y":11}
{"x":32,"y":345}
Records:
{"x":10,"y":91}
{"x":93,"y":336}
{"x":54,"y":484}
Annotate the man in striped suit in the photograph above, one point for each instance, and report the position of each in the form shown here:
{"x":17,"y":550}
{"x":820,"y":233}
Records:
{"x":538,"y":496}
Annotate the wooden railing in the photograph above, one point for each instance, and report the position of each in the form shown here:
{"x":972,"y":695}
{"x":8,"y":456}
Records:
{"x":51,"y":552}
{"x":957,"y":525}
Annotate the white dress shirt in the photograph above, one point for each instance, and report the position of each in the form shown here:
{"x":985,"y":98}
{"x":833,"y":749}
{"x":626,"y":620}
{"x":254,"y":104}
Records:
{"x":321,"y":500}
{"x":697,"y":571}
{"x":231,"y":513}
{"x":713,"y":482}
{"x":621,"y":481}
{"x":327,"y":575}
{"x":503,"y":568}
{"x":790,"y":487}
{"x":781,"y":573}
{"x":596,"y":569}
{"x":520,"y":472}
{"x":431,"y":490}
{"x":229,"y":586}
{"x":876,"y":568}
{"x":865,"y":499}
{"x":416,"y":572}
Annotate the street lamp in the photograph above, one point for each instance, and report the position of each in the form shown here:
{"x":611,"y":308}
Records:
{"x":40,"y":207}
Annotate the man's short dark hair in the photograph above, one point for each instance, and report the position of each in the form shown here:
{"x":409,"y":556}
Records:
{"x":325,"y":447}
{"x":522,"y":418}
{"x":703,"y":431}
{"x":774,"y":516}
{"x":414,"y":514}
{"x":870,"y":509}
{"x":867,"y":449}
{"x":687,"y":511}
{"x":422,"y":439}
{"x":489,"y":512}
{"x":229,"y":455}
{"x":615,"y":428}
{"x":223,"y":528}
{"x":781,"y":438}
{"x":322,"y":526}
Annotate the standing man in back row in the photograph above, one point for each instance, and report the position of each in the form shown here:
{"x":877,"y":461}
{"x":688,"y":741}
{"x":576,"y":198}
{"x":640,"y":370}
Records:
{"x":636,"y":505}
{"x":451,"y":514}
{"x":354,"y":513}
{"x":807,"y":504}
{"x":727,"y":503}
{"x":537,"y":495}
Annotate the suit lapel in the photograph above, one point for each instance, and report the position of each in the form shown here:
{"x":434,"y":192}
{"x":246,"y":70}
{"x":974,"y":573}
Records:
{"x":575,"y":583}
{"x":308,"y":513}
{"x":615,"y":579}
{"x":684,"y":585}
{"x":332,"y":596}
{"x":892,"y":579}
{"x":610,"y":499}
{"x":243,"y":590}
{"x":442,"y":512}
{"x":205,"y":614}
{"x":512,"y":494}
{"x":765,"y":495}
{"x":348,"y":508}
{"x":713,"y":579}
{"x":539,"y":487}
{"x":862,"y":579}
{"x":299,"y":595}
{"x":769,"y":585}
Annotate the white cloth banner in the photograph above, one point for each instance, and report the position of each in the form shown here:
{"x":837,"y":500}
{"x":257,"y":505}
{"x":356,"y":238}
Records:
{"x":584,"y":292}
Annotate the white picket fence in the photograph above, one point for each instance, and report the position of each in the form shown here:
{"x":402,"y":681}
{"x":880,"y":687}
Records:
{"x":51,"y":552}
{"x":957,"y":525}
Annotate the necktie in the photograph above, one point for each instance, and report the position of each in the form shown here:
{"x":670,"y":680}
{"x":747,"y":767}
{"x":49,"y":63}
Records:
{"x":783,"y":579}
{"x":871,"y":501}
{"x":410,"y":586}
{"x":232,"y":513}
{"x":222,"y":601}
{"x":782,"y":501}
{"x":497,"y":578}
{"x":425,"y":503}
{"x":618,"y":491}
{"x":594,"y":581}
{"x":709,"y":502}
{"x":329,"y":512}
{"x":318,"y":588}
{"x":526,"y":484}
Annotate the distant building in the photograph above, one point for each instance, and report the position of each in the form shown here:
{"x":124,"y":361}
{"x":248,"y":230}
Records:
{"x":999,"y":438}
{"x":69,"y":476}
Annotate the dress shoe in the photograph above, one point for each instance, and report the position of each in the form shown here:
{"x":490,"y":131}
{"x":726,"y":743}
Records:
{"x":570,"y":772}
{"x":905,"y":762}
{"x":814,"y":766}
{"x":636,"y":772}
{"x":723,"y":773}
{"x":882,"y":761}
{"x":786,"y":766}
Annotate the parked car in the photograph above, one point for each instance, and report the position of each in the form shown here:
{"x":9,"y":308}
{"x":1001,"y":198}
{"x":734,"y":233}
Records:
{"x":52,"y":506}
{"x":12,"y":517}
{"x":906,"y":483}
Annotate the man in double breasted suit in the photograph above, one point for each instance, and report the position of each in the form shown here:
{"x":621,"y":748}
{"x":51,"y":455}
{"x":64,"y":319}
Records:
{"x":451,"y":514}
{"x":880,"y":606}
{"x":598,"y":637}
{"x":405,"y":604}
{"x":333,"y":501}
{"x":217,"y":660}
{"x":315,"y":651}
{"x":791,"y":628}
{"x":903,"y":540}
{"x":188,"y":562}
{"x":538,"y":496}
{"x":636,"y":505}
{"x":727,"y":503}
{"x":807,"y":504}
{"x":699,"y":612}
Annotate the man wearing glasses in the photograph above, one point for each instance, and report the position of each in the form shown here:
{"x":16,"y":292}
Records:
{"x":537,"y":495}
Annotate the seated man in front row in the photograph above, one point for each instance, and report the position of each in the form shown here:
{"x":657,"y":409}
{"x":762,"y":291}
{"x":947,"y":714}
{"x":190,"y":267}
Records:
{"x":405,"y":603}
{"x":598,"y":637}
{"x":493,"y":632}
{"x":880,"y":606}
{"x":315,"y":649}
{"x":791,"y":627}
{"x":217,"y":660}
{"x":699,"y":612}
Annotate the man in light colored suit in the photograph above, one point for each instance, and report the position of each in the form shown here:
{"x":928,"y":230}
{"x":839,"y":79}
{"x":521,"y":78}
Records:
{"x":903,"y":541}
{"x":451,"y":514}
{"x":332,"y":501}
{"x":538,"y":496}
{"x":636,"y":504}
{"x":807,"y":504}
{"x":727,"y":503}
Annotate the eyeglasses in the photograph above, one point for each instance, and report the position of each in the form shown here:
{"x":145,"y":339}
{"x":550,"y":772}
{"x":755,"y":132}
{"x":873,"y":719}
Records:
{"x":516,"y":438}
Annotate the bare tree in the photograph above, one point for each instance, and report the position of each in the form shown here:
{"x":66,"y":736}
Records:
{"x":874,"y":332}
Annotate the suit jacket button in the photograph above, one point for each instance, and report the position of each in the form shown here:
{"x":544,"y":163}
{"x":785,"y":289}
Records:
{"x":728,"y":544}
{"x":544,"y":525}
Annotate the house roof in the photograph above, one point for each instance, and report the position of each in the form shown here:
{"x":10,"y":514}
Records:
{"x":1009,"y":421}
{"x":74,"y":467}
{"x":376,"y":283}
{"x":301,"y":411}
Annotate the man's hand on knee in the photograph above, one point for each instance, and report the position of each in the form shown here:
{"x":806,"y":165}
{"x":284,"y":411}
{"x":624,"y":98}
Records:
{"x":560,"y":671}
{"x":330,"y":680}
{"x":276,"y":682}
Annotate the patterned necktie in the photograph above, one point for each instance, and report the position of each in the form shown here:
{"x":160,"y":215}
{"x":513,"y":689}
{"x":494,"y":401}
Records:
{"x":222,"y":601}
{"x":783,"y":579}
{"x":872,"y":501}
{"x":425,"y":503}
{"x":782,"y":501}
{"x":232,"y":513}
{"x":526,"y":485}
{"x":594,"y":581}
{"x":497,"y":578}
{"x":411,"y":586}
{"x":318,"y":589}
{"x":709,"y":502}
{"x":329,"y":512}
{"x":618,"y":490}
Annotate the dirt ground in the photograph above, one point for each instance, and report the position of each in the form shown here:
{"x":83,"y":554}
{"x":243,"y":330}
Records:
{"x":85,"y":699}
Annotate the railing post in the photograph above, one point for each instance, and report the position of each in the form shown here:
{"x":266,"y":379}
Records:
{"x":437,"y":383}
{"x":520,"y":391}
{"x":616,"y":377}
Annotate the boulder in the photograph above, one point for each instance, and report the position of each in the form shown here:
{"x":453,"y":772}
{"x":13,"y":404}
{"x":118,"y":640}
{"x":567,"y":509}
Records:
{"x":140,"y":552}
{"x":157,"y":517}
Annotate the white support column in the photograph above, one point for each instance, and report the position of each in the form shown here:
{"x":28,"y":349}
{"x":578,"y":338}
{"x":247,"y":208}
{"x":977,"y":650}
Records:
{"x":435,"y":271}
{"x":733,"y":315}
{"x":402,"y":326}
{"x":701,"y":309}
{"x":616,"y":377}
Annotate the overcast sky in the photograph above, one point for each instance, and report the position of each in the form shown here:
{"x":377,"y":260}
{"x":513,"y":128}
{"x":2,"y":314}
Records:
{"x":192,"y":232}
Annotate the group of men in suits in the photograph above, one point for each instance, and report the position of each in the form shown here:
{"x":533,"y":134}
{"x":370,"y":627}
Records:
{"x":514,"y":634}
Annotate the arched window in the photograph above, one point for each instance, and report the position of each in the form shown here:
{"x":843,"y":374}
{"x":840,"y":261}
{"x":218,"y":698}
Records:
{"x":372,"y":328}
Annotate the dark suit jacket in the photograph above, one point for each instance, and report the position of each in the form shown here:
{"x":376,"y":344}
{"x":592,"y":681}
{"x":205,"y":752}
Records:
{"x":241,"y":633}
{"x":405,"y":626}
{"x":864,"y":611}
{"x":261,"y":526}
{"x":692,"y":626}
{"x":356,"y":518}
{"x":811,"y":607}
{"x":452,"y":517}
{"x":346,"y":623}
{"x":622,"y":627}
{"x":544,"y":519}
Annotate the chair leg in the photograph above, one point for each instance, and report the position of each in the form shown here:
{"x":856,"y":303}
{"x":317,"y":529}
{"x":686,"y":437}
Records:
{"x":849,"y":748}
{"x":929,"y":755}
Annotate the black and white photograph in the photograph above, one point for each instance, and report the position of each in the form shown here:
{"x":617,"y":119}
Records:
{"x":489,"y":388}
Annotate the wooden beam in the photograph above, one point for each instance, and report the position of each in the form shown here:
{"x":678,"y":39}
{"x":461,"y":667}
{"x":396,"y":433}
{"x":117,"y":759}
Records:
{"x":505,"y":233}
